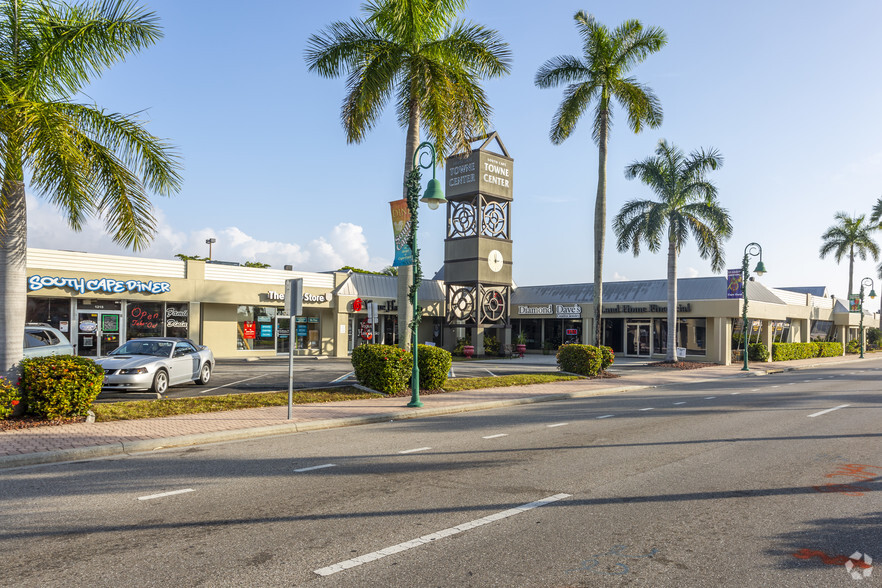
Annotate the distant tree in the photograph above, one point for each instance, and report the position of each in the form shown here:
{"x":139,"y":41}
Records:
{"x":358,"y":270}
{"x":687,"y":204}
{"x":85,"y":161}
{"x":849,"y":236}
{"x":255,"y":264}
{"x":184,"y":257}
{"x":415,"y":51}
{"x":601,"y":77}
{"x":390,"y":270}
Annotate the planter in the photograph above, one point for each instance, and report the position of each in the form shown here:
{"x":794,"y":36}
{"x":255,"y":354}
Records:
{"x":521,"y":349}
{"x":468,"y":351}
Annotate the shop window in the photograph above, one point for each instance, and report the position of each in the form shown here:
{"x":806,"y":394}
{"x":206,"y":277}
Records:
{"x":255,"y":328}
{"x":52,"y":311}
{"x":691,"y":334}
{"x":177,"y":320}
{"x":307,"y":333}
{"x":822,"y":331}
{"x":781,"y":331}
{"x":144,"y":319}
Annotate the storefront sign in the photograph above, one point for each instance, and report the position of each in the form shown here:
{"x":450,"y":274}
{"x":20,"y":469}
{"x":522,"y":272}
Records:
{"x":631,"y":309}
{"x":266,"y":331}
{"x":536,"y":309}
{"x":106,"y":285}
{"x":307,"y":297}
{"x":142,"y":319}
{"x":175,"y":317}
{"x":249,"y":330}
{"x":569,"y":311}
{"x":735,"y":284}
{"x":302,"y":330}
{"x":480,"y":171}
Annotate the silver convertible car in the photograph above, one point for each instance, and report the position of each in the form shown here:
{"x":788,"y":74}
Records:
{"x":155,"y":363}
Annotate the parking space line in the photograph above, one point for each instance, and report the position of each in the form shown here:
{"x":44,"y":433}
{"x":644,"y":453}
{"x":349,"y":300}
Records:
{"x":606,"y":416}
{"x":415,"y":450}
{"x":368,"y":557}
{"x":558,"y":425}
{"x":489,"y":372}
{"x":232,"y":384}
{"x":828,"y":410}
{"x":318,"y":467}
{"x":164,"y":494}
{"x":343,"y":377}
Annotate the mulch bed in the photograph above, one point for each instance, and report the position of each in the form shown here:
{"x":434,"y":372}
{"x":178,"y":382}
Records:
{"x":681,"y":365}
{"x":31,"y":422}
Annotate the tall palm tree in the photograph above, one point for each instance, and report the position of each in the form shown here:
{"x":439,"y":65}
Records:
{"x":601,"y":77}
{"x":83,"y":160}
{"x":687,"y":204}
{"x":415,"y":51}
{"x":850,"y":236}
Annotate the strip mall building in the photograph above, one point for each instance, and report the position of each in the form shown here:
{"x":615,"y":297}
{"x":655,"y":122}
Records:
{"x":100,"y":301}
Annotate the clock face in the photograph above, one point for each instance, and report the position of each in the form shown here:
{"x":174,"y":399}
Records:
{"x":494,"y":260}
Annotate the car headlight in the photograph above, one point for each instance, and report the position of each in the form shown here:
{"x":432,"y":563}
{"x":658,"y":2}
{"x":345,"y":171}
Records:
{"x":128,"y":372}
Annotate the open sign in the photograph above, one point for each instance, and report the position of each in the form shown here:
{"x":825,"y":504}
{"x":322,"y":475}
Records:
{"x":572,"y":332}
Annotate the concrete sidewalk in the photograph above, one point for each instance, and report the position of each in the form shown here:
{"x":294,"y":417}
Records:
{"x":78,"y":441}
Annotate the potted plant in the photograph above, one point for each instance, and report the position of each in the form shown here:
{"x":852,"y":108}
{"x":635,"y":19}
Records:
{"x":521,"y":343}
{"x":468,"y":351}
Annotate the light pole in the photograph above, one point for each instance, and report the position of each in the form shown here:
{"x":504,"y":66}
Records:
{"x":754,"y":250}
{"x":865,"y":282}
{"x":434,"y":197}
{"x":209,"y":242}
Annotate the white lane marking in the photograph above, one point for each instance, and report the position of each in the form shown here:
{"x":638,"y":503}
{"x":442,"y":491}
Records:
{"x":734,"y":393}
{"x":164,"y":494}
{"x":828,"y":410}
{"x":643,"y":409}
{"x":489,"y":372}
{"x":606,"y":416}
{"x":495,"y":436}
{"x":318,"y":467}
{"x":709,"y":397}
{"x":676,"y":403}
{"x":415,"y":450}
{"x":343,"y":377}
{"x":755,"y":390}
{"x":357,"y":561}
{"x":232,"y":384}
{"x":776,"y":386}
{"x":558,"y":425}
{"x":806,"y":381}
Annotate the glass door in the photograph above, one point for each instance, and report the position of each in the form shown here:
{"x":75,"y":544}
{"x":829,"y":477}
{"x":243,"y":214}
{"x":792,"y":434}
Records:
{"x":637,"y":337}
{"x":98,"y":333}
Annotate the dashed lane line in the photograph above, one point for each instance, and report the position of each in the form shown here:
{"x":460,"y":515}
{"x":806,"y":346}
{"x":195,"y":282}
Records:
{"x":678,"y":403}
{"x":164,"y":494}
{"x":425,"y":539}
{"x":318,"y":467}
{"x":558,"y":425}
{"x":415,"y":450}
{"x":606,"y":416}
{"x":828,"y":410}
{"x":645,"y":409}
{"x":495,"y":436}
{"x":709,"y":397}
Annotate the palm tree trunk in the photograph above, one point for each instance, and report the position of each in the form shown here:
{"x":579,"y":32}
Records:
{"x":600,"y":227}
{"x":851,"y":271}
{"x":672,"y":302}
{"x":13,"y":279}
{"x":405,"y":272}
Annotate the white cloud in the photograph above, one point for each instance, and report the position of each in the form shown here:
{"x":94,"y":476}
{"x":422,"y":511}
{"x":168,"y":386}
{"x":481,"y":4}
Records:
{"x":691,"y":272}
{"x":617,"y":277}
{"x":345,"y":245}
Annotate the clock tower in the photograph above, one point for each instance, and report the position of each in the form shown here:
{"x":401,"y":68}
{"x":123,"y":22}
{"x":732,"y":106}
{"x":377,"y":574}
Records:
{"x":477,"y":251}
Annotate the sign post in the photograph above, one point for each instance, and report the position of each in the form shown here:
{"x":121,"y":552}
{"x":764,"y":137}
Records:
{"x":293,"y":308}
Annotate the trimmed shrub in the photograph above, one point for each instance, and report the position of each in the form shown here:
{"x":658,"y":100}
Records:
{"x":460,"y":343}
{"x":60,"y":386}
{"x":384,"y":368}
{"x":757,"y":352}
{"x":790,"y":351}
{"x":854,"y":346}
{"x":585,"y":360}
{"x":829,"y":348}
{"x":9,"y":398}
{"x":434,"y":364}
{"x":608,"y":357}
{"x":874,"y":338}
{"x":491,"y":345}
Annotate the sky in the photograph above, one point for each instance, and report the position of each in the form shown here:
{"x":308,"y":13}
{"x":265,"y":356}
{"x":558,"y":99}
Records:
{"x":788,"y":91}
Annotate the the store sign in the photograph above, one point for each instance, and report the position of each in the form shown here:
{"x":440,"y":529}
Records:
{"x":480,"y":171}
{"x":105,"y":285}
{"x":176,"y":317}
{"x":249,"y":331}
{"x":632,"y":309}
{"x":569,"y":311}
{"x":536,"y":309}
{"x":307,"y":297}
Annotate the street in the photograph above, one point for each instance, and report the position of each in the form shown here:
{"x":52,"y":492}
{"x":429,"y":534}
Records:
{"x":752,"y":481}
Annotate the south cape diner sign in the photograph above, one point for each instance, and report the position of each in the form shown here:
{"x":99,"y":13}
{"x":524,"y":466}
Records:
{"x":103,"y":285}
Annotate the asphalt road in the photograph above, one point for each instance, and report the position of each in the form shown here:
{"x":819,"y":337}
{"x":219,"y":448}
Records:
{"x":271,"y":375}
{"x":756,"y":481}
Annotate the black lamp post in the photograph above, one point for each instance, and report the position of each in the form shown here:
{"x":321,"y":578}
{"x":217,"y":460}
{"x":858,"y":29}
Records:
{"x":434,"y":197}
{"x":754,"y":250}
{"x":864,"y":282}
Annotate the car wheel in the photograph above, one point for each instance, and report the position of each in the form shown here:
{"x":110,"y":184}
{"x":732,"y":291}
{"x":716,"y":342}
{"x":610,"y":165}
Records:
{"x":204,"y":374}
{"x":160,"y":382}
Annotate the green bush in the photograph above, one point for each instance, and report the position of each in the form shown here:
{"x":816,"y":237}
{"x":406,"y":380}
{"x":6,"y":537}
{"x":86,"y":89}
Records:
{"x":585,"y":360}
{"x":434,"y":364}
{"x":874,"y":338}
{"x":608,"y":357}
{"x":757,"y":352}
{"x":460,"y":343}
{"x":384,"y":368}
{"x":491,"y":345}
{"x":9,"y":399}
{"x":790,"y":351}
{"x":829,"y":348}
{"x":60,"y":386}
{"x":854,"y":346}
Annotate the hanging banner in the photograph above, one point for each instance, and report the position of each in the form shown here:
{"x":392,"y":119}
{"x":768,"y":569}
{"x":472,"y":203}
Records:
{"x":401,"y":230}
{"x":735,"y":284}
{"x":854,"y":303}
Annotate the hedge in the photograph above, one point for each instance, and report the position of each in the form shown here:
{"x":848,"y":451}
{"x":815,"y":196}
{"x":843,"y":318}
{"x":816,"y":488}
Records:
{"x":789,"y":351}
{"x":434,"y":364}
{"x":830,"y":349}
{"x":585,"y":360}
{"x":60,"y":386}
{"x":384,"y":368}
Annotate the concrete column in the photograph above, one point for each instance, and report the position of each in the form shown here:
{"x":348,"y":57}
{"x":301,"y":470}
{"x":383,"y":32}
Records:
{"x":842,"y":335}
{"x":478,"y":340}
{"x":195,"y":322}
{"x":766,"y":334}
{"x":720,"y":341}
{"x":587,"y":331}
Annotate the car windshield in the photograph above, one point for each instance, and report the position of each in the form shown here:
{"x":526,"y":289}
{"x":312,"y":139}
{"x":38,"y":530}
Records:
{"x":155,"y":348}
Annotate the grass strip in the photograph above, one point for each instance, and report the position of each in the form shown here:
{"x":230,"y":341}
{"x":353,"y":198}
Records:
{"x":459,"y":384}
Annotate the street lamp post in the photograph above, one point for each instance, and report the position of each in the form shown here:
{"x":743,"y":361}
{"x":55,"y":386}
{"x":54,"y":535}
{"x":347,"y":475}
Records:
{"x":865,"y":282}
{"x":434,"y":197}
{"x":209,"y":242}
{"x":754,"y":250}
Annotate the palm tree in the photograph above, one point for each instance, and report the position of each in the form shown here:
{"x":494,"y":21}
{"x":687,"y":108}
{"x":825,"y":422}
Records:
{"x":83,"y":160}
{"x":600,"y":77}
{"x":412,"y":50}
{"x":849,"y":236}
{"x":687,"y":204}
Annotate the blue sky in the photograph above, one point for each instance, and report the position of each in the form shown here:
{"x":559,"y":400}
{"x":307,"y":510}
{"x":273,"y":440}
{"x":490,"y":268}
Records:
{"x":789,"y":92}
